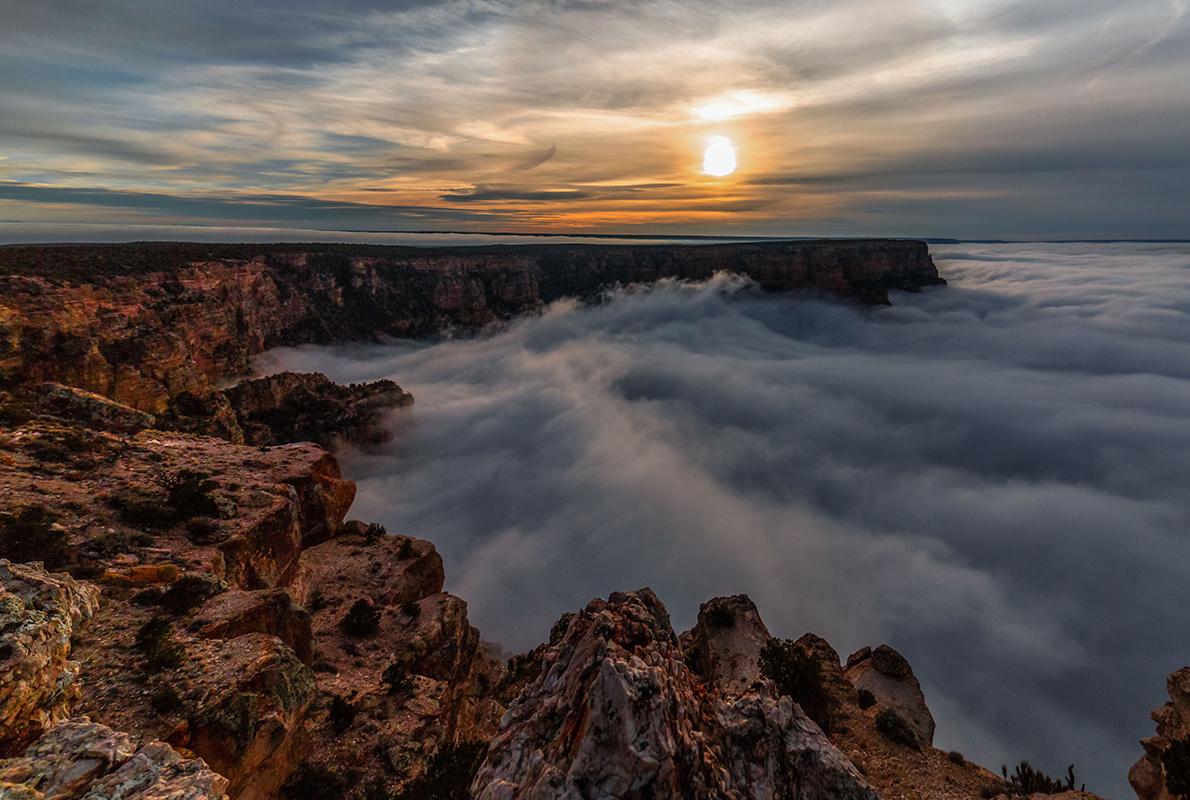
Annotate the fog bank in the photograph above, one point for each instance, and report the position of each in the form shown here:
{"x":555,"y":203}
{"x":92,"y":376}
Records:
{"x":991,"y":477}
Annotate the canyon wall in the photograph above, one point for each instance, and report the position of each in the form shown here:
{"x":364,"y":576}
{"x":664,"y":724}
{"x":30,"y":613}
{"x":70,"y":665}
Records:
{"x":143,"y":323}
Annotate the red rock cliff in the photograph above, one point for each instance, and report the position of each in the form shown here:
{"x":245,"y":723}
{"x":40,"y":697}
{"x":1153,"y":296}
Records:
{"x":142,"y":323}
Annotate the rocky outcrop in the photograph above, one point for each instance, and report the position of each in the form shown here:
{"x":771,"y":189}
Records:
{"x":418,"y":684}
{"x":887,"y":675}
{"x":39,"y":613}
{"x":82,"y":759}
{"x":291,"y":407}
{"x":724,"y":647}
{"x":1163,"y":772}
{"x":208,"y":553}
{"x":269,"y":611}
{"x":616,"y":712}
{"x":246,"y":702}
{"x":145,"y":323}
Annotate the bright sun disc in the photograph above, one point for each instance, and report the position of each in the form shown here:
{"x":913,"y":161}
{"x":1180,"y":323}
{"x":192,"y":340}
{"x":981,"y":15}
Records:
{"x":719,"y":157}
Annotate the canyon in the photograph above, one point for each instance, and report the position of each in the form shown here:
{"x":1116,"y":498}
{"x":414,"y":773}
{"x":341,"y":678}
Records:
{"x":186,"y":609}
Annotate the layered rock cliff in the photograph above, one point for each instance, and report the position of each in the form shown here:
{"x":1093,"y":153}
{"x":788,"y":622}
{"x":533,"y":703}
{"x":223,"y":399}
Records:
{"x":145,"y":323}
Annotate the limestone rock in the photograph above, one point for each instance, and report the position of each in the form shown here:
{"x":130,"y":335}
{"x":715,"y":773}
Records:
{"x":246,"y":700}
{"x":39,"y":612}
{"x":887,"y":675}
{"x":83,"y":759}
{"x":724,"y":647}
{"x":616,"y":712}
{"x":270,"y":611}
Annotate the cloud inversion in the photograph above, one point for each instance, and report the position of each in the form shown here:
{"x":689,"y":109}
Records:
{"x":990,"y":476}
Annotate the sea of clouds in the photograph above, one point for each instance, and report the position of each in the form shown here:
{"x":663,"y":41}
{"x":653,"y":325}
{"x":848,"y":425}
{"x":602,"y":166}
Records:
{"x":993,"y":477}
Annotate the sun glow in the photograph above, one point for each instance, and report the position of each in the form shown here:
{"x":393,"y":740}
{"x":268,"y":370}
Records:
{"x":719,"y":157}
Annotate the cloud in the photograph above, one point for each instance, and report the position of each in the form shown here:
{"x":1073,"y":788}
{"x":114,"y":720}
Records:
{"x":417,"y":99}
{"x":988,"y":476}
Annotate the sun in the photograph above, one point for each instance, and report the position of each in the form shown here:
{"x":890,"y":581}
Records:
{"x":719,"y":157}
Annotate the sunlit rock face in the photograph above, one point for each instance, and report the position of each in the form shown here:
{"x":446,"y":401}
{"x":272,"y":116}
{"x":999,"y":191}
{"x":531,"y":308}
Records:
{"x":39,"y":613}
{"x":145,"y":323}
{"x":80,"y":758}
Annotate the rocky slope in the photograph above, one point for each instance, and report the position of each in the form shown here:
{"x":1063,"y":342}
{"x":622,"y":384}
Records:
{"x":145,"y":323}
{"x":228,"y":621}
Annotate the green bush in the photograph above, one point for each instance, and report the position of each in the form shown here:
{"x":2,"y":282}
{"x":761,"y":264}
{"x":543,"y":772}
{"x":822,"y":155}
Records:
{"x":1026,"y":780}
{"x":362,"y":619}
{"x":955,"y":757}
{"x":1176,"y":760}
{"x":796,"y":674}
{"x":189,"y":493}
{"x":894,"y":726}
{"x":396,"y":678}
{"x":165,"y":700}
{"x":28,"y":535}
{"x":342,"y":714}
{"x":189,"y":591}
{"x":155,"y":641}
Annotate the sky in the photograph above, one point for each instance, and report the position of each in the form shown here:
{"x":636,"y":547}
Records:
{"x":990,"y":476}
{"x":948,"y":118}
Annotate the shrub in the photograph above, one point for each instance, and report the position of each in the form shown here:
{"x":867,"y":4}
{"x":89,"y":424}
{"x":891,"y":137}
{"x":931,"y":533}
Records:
{"x":315,"y":782}
{"x":866,"y":698}
{"x":142,"y":509}
{"x":894,"y":726}
{"x":189,"y":493}
{"x":28,"y":535}
{"x":204,"y":530}
{"x":317,"y":601}
{"x":189,"y":591}
{"x":374,"y":533}
{"x":362,"y":619}
{"x":448,"y":775}
{"x":796,"y":674}
{"x":955,"y":757}
{"x":342,"y":714}
{"x":155,"y":640}
{"x":405,"y":551}
{"x":1025,"y":780}
{"x":165,"y":699}
{"x":116,"y":542}
{"x":1176,"y":760}
{"x":396,"y":678}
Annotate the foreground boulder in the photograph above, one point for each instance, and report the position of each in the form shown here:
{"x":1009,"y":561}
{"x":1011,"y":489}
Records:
{"x":39,"y":613}
{"x":80,"y":759}
{"x":616,"y":712}
{"x":1163,"y":772}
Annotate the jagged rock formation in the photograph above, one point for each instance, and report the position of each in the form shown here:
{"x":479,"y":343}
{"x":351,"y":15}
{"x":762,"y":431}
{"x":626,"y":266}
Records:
{"x":616,"y":712}
{"x":1163,"y":772}
{"x":144,"y":323}
{"x":207,"y":553}
{"x":39,"y":613}
{"x":82,"y":759}
{"x":290,"y":407}
{"x":887,"y":675}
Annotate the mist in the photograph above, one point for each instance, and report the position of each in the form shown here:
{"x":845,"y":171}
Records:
{"x":991,"y":477}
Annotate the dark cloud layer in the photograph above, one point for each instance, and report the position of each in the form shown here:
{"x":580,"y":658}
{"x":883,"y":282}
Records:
{"x":990,"y":476}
